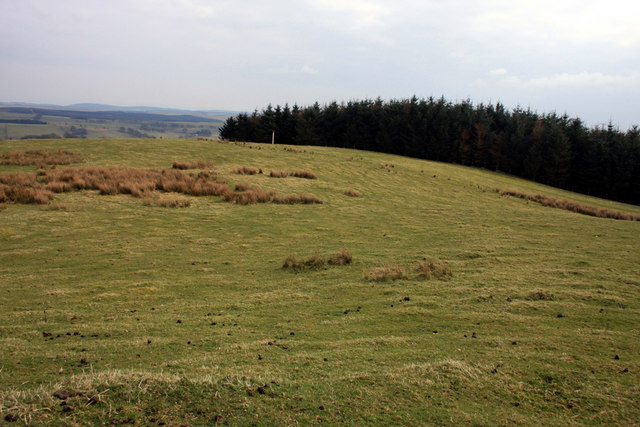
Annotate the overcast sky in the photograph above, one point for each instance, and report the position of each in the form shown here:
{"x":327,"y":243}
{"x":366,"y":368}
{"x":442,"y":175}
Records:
{"x":580,"y":57}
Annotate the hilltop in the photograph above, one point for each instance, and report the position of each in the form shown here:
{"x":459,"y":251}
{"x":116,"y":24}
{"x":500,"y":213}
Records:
{"x":459,"y":303}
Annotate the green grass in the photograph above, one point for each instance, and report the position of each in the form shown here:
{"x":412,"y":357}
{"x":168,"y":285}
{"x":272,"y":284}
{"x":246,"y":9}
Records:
{"x":183,"y":314}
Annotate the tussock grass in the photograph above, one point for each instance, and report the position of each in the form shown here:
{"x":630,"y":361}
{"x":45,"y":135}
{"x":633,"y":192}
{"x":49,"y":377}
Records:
{"x":136,"y":182}
{"x":434,"y":268}
{"x":282,"y":173}
{"x":572,"y":206}
{"x":40,"y":158}
{"x":199,"y":164}
{"x":245,"y":170}
{"x":23,"y":188}
{"x":303,"y":173}
{"x":343,"y":257}
{"x":353,"y":193}
{"x":384,"y":273}
{"x":251,"y":196}
{"x":294,"y":199}
{"x":242,"y":186}
{"x":316,"y":261}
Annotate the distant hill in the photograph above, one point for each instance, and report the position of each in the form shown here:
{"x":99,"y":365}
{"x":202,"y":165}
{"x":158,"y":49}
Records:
{"x":90,"y":120}
{"x":93,"y":107}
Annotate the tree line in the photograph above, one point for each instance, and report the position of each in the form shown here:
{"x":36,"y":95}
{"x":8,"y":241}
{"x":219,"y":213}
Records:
{"x":548,"y":148}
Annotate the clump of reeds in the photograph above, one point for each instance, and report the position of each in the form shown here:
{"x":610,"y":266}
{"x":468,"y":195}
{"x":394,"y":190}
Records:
{"x":283,"y":173}
{"x":251,"y":196}
{"x":384,"y":273}
{"x":245,"y":170}
{"x":242,"y":186}
{"x":200,"y":164}
{"x":317,"y":261}
{"x":40,"y":158}
{"x":303,"y":173}
{"x":23,"y":188}
{"x":572,"y":206}
{"x":433,"y":269}
{"x":353,"y":193}
{"x":341,"y":258}
{"x":293,"y":199}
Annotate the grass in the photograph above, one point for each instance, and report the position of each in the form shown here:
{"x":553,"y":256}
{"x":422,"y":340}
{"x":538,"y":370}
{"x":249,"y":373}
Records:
{"x":573,"y":206}
{"x":108,"y":279}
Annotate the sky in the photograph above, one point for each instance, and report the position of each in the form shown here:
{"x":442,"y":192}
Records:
{"x":581,"y":57}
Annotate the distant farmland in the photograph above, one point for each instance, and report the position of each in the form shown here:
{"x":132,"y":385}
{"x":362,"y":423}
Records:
{"x":27,"y":122}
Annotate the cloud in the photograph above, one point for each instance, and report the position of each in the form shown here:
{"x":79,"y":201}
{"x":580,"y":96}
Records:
{"x":304,"y":69}
{"x":576,"y":80}
{"x":362,"y":13}
{"x":554,"y":22}
{"x":497,"y":72}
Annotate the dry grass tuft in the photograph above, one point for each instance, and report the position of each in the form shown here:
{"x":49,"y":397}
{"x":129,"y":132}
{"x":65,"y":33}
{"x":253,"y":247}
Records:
{"x":283,"y":173}
{"x":252,"y":196}
{"x":200,"y":164}
{"x":295,"y":199}
{"x":434,"y":268}
{"x":245,"y":170}
{"x":23,"y":188}
{"x":242,"y":186}
{"x":385,"y":273}
{"x":353,"y":193}
{"x":341,"y":258}
{"x":316,"y":261}
{"x":40,"y":158}
{"x":572,"y":206}
{"x":303,"y":173}
{"x":292,"y":263}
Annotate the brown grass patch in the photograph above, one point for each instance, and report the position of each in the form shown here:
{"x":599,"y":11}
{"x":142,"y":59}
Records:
{"x":341,"y":258}
{"x":245,"y":170}
{"x":242,"y":186}
{"x":251,"y":196}
{"x":384,"y":273}
{"x":316,"y":261}
{"x":303,"y":173}
{"x":434,"y":268}
{"x":572,"y":206}
{"x":23,"y":188}
{"x":40,"y":157}
{"x":200,"y":164}
{"x":294,"y":199}
{"x":24,"y":194}
{"x":283,"y":173}
{"x":353,"y":193}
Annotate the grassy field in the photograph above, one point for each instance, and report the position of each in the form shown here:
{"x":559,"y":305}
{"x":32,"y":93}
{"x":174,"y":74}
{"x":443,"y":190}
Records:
{"x":116,"y":312}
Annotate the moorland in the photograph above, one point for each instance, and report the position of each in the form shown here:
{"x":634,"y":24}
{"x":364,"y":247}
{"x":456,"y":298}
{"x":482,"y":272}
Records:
{"x":195,"y":282}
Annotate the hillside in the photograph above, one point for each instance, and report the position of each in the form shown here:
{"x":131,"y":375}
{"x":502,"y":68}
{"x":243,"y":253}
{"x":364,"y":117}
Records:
{"x":118,"y":310}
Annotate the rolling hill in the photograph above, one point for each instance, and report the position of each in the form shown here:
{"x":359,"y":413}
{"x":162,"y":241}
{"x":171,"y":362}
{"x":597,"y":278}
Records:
{"x":460,"y":305}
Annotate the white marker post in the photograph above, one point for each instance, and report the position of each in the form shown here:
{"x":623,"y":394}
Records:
{"x":273,"y":136}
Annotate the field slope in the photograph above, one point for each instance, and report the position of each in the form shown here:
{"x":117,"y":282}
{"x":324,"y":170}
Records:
{"x":119,"y":311}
